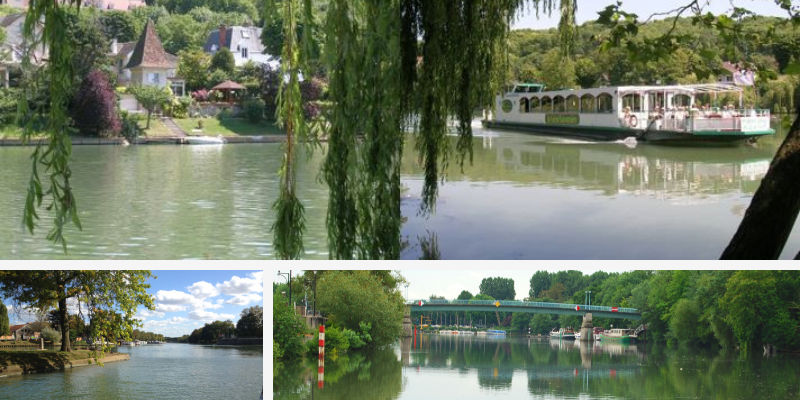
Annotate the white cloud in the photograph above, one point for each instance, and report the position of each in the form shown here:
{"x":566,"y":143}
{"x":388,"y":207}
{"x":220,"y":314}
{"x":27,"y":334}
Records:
{"x":239,"y":285}
{"x":171,"y":321}
{"x":243,"y":299}
{"x":148,"y":313}
{"x":174,"y":297}
{"x":21,"y":314}
{"x":169,"y":308}
{"x":203,"y":290}
{"x":202,"y":315}
{"x":200,"y":305}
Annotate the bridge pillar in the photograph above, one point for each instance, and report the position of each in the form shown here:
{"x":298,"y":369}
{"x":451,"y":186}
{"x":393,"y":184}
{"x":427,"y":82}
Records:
{"x":407,"y":328}
{"x":587,"y":328}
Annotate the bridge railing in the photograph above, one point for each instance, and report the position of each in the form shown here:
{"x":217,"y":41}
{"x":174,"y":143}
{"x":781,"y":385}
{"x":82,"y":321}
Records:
{"x":514,"y":303}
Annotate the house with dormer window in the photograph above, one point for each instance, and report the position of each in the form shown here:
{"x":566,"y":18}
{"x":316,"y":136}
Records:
{"x":146,"y":63}
{"x":243,"y":41}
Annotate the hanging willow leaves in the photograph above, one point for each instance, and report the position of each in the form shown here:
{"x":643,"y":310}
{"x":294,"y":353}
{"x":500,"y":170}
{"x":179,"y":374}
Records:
{"x":290,"y":214}
{"x":50,"y":19}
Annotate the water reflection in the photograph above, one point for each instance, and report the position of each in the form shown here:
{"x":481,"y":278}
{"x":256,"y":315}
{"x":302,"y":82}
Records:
{"x":476,"y":367}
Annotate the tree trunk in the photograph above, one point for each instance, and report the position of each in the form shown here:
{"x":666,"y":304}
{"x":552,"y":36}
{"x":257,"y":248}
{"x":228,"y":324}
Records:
{"x":497,"y":314}
{"x":771,"y":215}
{"x":149,"y":112}
{"x":62,"y":312}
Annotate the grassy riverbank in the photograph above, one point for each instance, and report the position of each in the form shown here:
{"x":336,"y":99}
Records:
{"x":228,"y":127}
{"x":26,"y":362}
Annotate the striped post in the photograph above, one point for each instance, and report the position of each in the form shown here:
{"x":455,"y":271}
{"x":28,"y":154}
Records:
{"x":320,"y":379}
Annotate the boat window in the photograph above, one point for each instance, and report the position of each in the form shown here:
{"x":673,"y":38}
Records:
{"x":558,"y":104}
{"x":535,"y":105}
{"x":572,"y":103}
{"x":520,"y":89}
{"x":632,"y":101}
{"x":605,"y":103}
{"x":547,"y":104}
{"x":523,"y":105}
{"x":587,"y":104}
{"x":681,"y":100}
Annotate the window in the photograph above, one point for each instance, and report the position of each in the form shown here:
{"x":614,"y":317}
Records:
{"x":632,"y":100}
{"x":605,"y":103}
{"x":572,"y":103}
{"x":547,"y":104}
{"x":523,"y":105}
{"x":681,"y":100}
{"x":558,"y":104}
{"x":587,"y":103}
{"x":535,"y":105}
{"x":153,"y":77}
{"x":245,"y":34}
{"x":244,"y":52}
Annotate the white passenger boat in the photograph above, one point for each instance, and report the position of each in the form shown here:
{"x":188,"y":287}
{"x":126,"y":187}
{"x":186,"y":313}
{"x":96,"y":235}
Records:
{"x":563,"y":333}
{"x":679,"y":114}
{"x":203,"y":140}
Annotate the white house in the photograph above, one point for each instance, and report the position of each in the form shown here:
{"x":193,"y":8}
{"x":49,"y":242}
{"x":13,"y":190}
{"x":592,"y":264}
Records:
{"x":147,"y":64}
{"x":243,"y":41}
{"x":15,"y":48}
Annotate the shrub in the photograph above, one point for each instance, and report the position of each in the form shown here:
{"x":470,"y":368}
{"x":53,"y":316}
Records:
{"x":8,"y":105}
{"x":226,"y":113}
{"x":254,"y":110}
{"x":200,"y":95}
{"x":223,"y":61}
{"x":286,"y":329}
{"x":129,"y":126}
{"x":94,"y":107}
{"x":336,"y":342}
{"x":180,"y":106}
{"x":51,"y":335}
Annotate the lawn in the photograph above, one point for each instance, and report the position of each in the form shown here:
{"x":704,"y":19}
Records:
{"x":228,"y":127}
{"x":14,"y":132}
{"x":157,"y":129}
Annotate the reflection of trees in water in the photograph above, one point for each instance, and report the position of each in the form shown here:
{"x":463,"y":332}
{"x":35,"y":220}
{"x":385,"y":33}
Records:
{"x":495,"y":378}
{"x":349,"y":377}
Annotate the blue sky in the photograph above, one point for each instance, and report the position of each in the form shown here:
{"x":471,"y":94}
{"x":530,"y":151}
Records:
{"x":186,"y":300}
{"x":588,"y":9}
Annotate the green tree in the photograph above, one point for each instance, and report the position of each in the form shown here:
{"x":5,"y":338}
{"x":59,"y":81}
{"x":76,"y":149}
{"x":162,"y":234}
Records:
{"x":541,"y":324}
{"x":685,"y":321}
{"x":180,"y":32}
{"x":120,"y":25}
{"x":558,"y":71}
{"x":251,"y":322}
{"x":354,"y":297}
{"x":287,"y":329}
{"x":499,"y":288}
{"x":465,"y":295}
{"x":540,"y":281}
{"x":110,"y":297}
{"x":51,"y":335}
{"x":4,"y":324}
{"x":193,"y":66}
{"x":223,"y":61}
{"x":150,"y":97}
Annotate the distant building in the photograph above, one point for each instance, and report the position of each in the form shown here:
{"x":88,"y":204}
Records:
{"x":122,"y":5}
{"x":243,"y":41}
{"x":145,"y":63}
{"x":21,"y":332}
{"x":15,"y":48}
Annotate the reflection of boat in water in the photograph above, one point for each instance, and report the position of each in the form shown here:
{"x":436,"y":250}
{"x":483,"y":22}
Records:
{"x":205,"y":140}
{"x":653,"y":171}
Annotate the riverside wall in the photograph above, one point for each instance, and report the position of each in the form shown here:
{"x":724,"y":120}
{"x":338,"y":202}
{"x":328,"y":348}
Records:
{"x":241,"y":341}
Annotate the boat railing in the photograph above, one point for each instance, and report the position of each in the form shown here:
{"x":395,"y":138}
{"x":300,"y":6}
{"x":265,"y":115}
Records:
{"x":692,"y":120}
{"x":514,"y":303}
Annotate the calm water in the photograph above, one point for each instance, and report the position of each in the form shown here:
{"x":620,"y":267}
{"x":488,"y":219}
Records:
{"x":525,"y":197}
{"x":169,"y":371}
{"x":469,"y":367}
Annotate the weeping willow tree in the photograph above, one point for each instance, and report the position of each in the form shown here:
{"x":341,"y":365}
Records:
{"x":394,"y":66}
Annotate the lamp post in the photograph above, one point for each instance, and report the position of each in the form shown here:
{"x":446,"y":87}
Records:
{"x":315,"y":293}
{"x":289,"y":282}
{"x":585,"y":297}
{"x":590,"y":297}
{"x":406,"y":285}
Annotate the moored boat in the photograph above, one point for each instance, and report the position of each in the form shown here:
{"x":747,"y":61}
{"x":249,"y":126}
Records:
{"x":617,"y":335}
{"x":563,"y":333}
{"x":495,"y":332}
{"x":678,"y":114}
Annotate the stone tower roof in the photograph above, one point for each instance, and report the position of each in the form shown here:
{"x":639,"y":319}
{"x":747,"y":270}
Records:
{"x":149,"y":52}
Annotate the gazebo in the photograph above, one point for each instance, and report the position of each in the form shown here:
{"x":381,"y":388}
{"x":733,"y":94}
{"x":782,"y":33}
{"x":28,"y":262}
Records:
{"x":228,"y":87}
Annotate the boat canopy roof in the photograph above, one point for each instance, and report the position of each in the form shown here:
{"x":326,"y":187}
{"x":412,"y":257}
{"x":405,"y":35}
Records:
{"x":695,"y":88}
{"x":623,"y":90}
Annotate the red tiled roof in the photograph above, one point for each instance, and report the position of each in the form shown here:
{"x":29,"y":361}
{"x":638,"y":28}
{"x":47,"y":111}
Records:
{"x":13,"y":328}
{"x":149,"y":52}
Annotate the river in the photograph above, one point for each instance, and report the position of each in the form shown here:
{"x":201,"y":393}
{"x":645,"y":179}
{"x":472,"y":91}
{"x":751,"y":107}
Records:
{"x":168,"y":371}
{"x":467,"y":367}
{"x":524,"y":197}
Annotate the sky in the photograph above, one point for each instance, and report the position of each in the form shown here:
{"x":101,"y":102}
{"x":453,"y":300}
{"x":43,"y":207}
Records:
{"x":588,"y":9}
{"x":186,"y":300}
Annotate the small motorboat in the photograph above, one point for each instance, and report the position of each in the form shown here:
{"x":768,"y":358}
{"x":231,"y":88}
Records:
{"x":203,"y":140}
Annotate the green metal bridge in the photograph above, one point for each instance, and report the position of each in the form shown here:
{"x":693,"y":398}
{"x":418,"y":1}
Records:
{"x":524,"y":306}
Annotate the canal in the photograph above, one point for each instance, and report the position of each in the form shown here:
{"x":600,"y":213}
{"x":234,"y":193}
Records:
{"x":524,"y":197}
{"x":467,"y":367}
{"x":168,"y":371}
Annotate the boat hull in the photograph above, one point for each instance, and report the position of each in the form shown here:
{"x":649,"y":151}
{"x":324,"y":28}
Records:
{"x":563,"y":336}
{"x":712,"y":138}
{"x":615,"y":339}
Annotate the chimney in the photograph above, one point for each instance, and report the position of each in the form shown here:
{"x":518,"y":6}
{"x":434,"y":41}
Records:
{"x":223,"y":33}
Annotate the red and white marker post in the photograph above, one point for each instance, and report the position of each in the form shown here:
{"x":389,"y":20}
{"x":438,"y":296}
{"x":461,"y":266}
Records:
{"x":320,"y":379}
